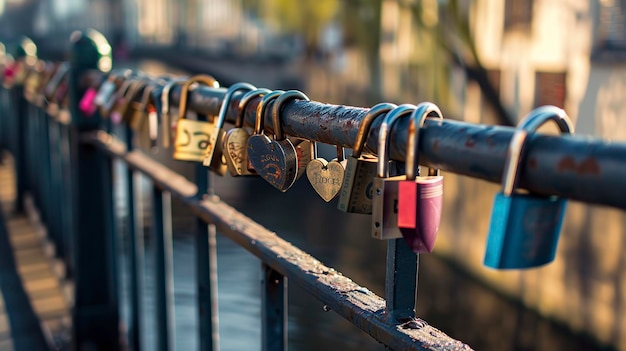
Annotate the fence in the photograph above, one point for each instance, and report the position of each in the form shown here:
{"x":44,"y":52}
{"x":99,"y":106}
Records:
{"x":64,"y":155}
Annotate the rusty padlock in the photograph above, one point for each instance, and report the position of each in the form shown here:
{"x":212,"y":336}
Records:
{"x":385,"y":201}
{"x":356,"y":191}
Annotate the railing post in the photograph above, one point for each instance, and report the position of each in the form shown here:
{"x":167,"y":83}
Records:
{"x":164,"y":279}
{"x":206,"y":272}
{"x":135,"y":257}
{"x":25,"y":52}
{"x":401,"y":281}
{"x":96,"y":311}
{"x":274,"y":310}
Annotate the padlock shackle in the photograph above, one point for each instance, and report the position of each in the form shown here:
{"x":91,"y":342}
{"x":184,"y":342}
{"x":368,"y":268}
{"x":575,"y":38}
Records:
{"x":278,"y":104}
{"x":341,"y":153}
{"x":243,"y":104}
{"x":184,"y":92}
{"x":515,"y":153}
{"x":260,"y":110}
{"x":366,"y":123}
{"x":383,"y":136}
{"x":221,"y":116}
{"x":56,"y":79}
{"x":165,"y":109}
{"x":133,"y":91}
{"x":418,"y":117}
{"x":146,"y":95}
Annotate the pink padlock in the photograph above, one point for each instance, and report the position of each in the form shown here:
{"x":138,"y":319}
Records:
{"x":86,"y":103}
{"x":419,"y":198}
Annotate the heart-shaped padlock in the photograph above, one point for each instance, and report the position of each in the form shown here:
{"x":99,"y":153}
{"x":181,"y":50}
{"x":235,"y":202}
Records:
{"x":216,"y":157}
{"x":236,"y":139}
{"x":326,"y":177}
{"x":274,"y":160}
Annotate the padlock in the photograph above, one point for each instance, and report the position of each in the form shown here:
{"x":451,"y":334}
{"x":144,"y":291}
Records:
{"x":115,"y":107}
{"x":274,"y":160}
{"x":86,"y":104}
{"x":524,"y":229}
{"x":40,"y":99}
{"x":385,"y":196}
{"x":419,"y":198}
{"x":236,"y":139}
{"x":33,"y":80}
{"x":50,"y":91}
{"x":215,"y":157}
{"x":304,"y":152}
{"x":166,"y":120}
{"x":140,"y":108}
{"x":127,"y":109}
{"x":106,"y":96}
{"x":326,"y":177}
{"x":355,"y":195}
{"x":193,"y":137}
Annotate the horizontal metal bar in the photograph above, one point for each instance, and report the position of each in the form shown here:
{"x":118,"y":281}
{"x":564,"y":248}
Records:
{"x":357,"y":304}
{"x":577,"y":167}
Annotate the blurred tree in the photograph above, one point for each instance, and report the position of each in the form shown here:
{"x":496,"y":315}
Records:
{"x":456,"y":41}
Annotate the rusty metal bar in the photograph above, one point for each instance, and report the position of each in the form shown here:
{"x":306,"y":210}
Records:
{"x":357,"y":304}
{"x":578,"y":167}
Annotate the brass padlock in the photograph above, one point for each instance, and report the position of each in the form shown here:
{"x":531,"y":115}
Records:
{"x":385,"y":201}
{"x":215,"y":157}
{"x":355,"y":195}
{"x":118,"y":103}
{"x":236,"y":139}
{"x":193,"y":137}
{"x":326,"y":177}
{"x":166,"y":118}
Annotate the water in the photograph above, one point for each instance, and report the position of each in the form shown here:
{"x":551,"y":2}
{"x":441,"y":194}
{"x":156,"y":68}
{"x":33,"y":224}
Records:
{"x":448,"y":299}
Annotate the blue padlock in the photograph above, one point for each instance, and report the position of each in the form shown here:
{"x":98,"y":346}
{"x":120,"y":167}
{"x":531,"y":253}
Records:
{"x":525,"y":228}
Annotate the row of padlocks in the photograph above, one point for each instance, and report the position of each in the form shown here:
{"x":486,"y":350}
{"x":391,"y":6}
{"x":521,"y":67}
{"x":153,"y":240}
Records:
{"x":524,"y":228}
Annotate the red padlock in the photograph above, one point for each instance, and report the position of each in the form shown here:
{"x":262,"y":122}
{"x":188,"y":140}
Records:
{"x":419,"y":198}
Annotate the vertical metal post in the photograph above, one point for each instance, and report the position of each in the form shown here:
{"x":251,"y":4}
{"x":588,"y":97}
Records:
{"x":25,"y":51}
{"x":274,"y":310}
{"x":135,"y":236}
{"x":96,"y":304}
{"x":164,"y":282}
{"x":19,"y":151}
{"x":206,"y":272}
{"x":401,"y":281}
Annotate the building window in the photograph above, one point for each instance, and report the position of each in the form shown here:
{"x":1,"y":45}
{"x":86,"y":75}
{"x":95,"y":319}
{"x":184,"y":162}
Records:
{"x":611,"y":31}
{"x":550,"y":89}
{"x":518,"y":14}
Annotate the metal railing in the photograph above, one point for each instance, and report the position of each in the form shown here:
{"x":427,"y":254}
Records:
{"x":64,"y":157}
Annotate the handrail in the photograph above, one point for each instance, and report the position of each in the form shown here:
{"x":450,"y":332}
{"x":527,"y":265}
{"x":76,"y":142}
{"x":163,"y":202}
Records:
{"x":577,"y":167}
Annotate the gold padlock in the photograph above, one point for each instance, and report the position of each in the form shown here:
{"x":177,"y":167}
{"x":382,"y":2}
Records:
{"x":192,"y":136}
{"x":356,"y":194}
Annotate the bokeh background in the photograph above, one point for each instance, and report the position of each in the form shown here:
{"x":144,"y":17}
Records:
{"x":481,"y":61}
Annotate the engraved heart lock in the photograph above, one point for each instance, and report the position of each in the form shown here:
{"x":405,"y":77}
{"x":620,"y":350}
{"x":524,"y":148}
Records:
{"x":326,"y":177}
{"x":236,"y":140}
{"x":275,"y":160}
{"x":216,"y":157}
